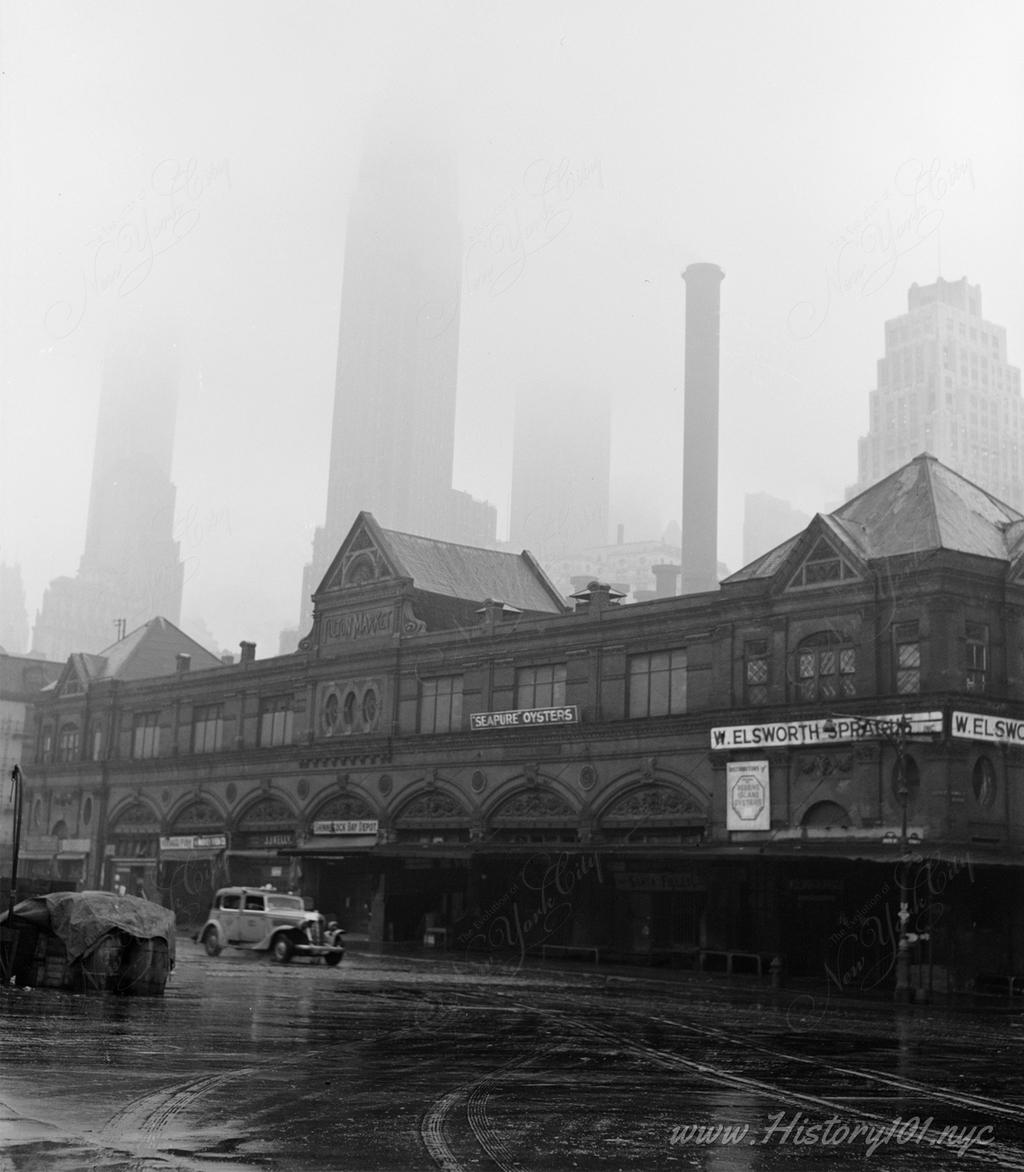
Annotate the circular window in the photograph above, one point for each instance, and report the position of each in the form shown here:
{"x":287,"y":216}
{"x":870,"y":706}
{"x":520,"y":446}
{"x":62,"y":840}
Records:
{"x":984,"y":780}
{"x":348,"y":709}
{"x":385,"y":784}
{"x":331,"y":712}
{"x":369,"y":707}
{"x":479,"y":781}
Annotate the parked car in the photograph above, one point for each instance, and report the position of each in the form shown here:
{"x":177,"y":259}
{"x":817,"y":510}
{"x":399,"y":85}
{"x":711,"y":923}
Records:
{"x":263,"y":920}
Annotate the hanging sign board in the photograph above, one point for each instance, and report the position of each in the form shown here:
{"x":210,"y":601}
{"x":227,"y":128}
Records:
{"x":748,"y":797}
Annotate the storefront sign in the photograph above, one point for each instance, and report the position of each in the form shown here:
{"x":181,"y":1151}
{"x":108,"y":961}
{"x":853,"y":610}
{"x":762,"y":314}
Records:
{"x":194,"y":842}
{"x":834,"y":731}
{"x":81,"y":845}
{"x":1000,"y":730}
{"x":367,"y":826}
{"x":525,"y":717}
{"x":748,"y":796}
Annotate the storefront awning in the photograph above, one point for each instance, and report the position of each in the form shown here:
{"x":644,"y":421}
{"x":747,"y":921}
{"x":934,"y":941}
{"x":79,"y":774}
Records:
{"x":331,"y":846}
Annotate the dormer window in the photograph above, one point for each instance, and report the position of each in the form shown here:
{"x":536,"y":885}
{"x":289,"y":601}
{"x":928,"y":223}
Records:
{"x":822,"y":566}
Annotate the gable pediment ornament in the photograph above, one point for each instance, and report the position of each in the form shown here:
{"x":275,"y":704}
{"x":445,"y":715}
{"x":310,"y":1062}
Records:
{"x":822,"y":565}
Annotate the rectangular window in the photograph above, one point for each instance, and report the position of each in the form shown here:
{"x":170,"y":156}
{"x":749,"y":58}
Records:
{"x":976,"y":674}
{"x":146,"y":734}
{"x":657,"y":683}
{"x":441,"y":704}
{"x":541,"y":687}
{"x":756,"y":671}
{"x":207,"y":728}
{"x":907,"y":649}
{"x":276,"y":721}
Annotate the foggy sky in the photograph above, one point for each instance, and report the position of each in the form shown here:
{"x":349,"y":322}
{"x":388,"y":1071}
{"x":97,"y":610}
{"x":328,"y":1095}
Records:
{"x":195,"y":162}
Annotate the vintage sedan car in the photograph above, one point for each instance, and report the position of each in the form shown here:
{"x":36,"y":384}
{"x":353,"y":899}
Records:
{"x":263,"y":920}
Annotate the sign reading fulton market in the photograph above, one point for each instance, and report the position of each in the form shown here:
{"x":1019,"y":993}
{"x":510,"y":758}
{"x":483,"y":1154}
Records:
{"x":827,"y":731}
{"x":525,"y":717}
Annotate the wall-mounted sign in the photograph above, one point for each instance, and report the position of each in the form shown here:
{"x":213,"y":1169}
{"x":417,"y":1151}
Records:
{"x":194,"y":842}
{"x":748,"y":796}
{"x":74,"y":844}
{"x":351,"y":826}
{"x":828,"y":731}
{"x":1000,"y":730}
{"x":364,"y":624}
{"x":525,"y":717}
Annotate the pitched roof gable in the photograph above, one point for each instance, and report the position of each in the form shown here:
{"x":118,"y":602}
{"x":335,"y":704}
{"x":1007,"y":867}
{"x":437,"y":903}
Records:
{"x":371,"y":553}
{"x":922,"y":507}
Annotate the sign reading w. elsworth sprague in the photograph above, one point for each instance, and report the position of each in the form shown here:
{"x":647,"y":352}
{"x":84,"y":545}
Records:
{"x":827,"y":731}
{"x":1000,"y":730}
{"x":525,"y":717}
{"x":748,"y":796}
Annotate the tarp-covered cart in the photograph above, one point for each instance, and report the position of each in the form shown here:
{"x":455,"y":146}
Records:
{"x":90,"y":940}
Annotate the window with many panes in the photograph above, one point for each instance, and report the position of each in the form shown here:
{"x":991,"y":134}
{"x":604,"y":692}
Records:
{"x":822,"y":565}
{"x":441,"y":704}
{"x":276,"y":721}
{"x":541,"y":687}
{"x":207,"y":728}
{"x":907,"y":653}
{"x":146,"y":734}
{"x":826,"y":668}
{"x":67,"y":742}
{"x":657,"y":683}
{"x":756,"y":671}
{"x":976,"y":651}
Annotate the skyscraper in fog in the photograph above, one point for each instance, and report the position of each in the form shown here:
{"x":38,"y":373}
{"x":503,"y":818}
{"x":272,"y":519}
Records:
{"x":393,"y":437}
{"x":560,"y":472}
{"x":945,"y":387}
{"x":130,"y":569}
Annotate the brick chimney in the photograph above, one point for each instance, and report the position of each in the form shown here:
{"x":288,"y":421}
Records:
{"x":247,"y":652}
{"x":700,"y":428}
{"x":182,"y":662}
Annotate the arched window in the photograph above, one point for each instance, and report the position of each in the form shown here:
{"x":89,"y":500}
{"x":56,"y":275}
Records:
{"x":67,"y":742}
{"x":984,"y":782}
{"x":826,"y":667}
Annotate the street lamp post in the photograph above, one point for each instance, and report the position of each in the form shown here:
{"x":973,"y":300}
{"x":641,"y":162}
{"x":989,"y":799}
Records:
{"x":16,"y":780}
{"x":896,"y":733}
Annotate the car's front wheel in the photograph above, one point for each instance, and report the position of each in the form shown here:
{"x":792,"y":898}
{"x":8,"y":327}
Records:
{"x":333,"y":958}
{"x":283,"y":950}
{"x":211,"y":942}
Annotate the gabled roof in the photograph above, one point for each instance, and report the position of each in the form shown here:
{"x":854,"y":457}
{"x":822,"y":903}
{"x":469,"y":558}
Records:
{"x":371,"y":553}
{"x":147,"y":652}
{"x":922,"y":507}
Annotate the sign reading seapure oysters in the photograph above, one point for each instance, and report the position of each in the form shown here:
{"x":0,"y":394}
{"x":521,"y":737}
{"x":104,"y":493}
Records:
{"x":829,"y":731}
{"x":525,"y":717}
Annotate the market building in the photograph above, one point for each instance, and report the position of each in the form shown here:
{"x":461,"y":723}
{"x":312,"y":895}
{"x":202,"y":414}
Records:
{"x":457,"y":755}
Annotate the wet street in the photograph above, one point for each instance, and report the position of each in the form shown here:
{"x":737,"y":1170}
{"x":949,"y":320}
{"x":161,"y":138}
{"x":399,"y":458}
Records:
{"x":424,"y":1062}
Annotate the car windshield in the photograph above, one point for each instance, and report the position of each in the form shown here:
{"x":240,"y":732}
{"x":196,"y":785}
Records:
{"x":281,"y":903}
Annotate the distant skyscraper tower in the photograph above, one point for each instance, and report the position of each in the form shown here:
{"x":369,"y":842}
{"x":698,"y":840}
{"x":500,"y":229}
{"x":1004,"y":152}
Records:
{"x":768,"y":522}
{"x":560,"y":472}
{"x":130,"y":568}
{"x":945,"y":387}
{"x":393,"y":438}
{"x":13,"y":611}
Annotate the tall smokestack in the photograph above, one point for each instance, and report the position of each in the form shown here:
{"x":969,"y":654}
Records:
{"x":700,"y":429}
